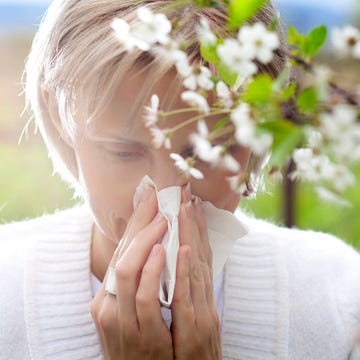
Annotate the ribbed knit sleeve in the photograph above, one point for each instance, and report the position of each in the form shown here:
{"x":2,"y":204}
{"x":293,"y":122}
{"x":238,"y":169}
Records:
{"x":255,"y":314}
{"x":58,"y":289}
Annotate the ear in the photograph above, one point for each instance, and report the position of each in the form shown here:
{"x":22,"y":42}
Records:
{"x":57,"y":134}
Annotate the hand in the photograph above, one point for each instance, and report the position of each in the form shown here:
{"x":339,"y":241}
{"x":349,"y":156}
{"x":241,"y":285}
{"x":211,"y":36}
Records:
{"x":130,"y":325}
{"x":195,"y":322}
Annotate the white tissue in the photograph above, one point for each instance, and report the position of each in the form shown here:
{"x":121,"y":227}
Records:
{"x":223,"y":230}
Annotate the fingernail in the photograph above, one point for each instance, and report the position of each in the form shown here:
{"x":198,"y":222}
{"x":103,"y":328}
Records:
{"x":189,"y":209}
{"x":188,"y":195}
{"x":196,"y":201}
{"x":197,"y":206}
{"x":158,"y":218}
{"x":146,"y":192}
{"x":155,"y":250}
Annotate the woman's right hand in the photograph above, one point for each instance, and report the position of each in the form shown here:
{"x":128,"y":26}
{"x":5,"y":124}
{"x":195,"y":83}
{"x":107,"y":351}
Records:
{"x":129,"y":324}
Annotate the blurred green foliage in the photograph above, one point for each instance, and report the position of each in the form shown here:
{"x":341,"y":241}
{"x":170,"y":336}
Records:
{"x":310,"y":211}
{"x":27,"y":188}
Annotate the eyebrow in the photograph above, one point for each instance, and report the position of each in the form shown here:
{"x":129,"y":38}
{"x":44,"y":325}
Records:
{"x":116,"y":139}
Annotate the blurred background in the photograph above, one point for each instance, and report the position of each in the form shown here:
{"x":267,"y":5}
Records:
{"x":27,"y":186}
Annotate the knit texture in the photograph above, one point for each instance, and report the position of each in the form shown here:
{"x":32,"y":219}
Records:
{"x":288,"y":294}
{"x":255,"y":305}
{"x":58,"y":293}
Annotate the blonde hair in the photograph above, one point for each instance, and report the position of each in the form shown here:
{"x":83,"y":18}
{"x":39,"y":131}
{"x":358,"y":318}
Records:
{"x":76,"y":55}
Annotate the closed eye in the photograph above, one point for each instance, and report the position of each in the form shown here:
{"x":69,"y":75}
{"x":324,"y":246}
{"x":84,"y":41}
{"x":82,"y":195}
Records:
{"x":126,"y":152}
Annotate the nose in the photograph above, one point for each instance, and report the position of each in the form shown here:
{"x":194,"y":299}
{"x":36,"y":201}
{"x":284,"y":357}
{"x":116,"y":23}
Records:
{"x":165,"y":173}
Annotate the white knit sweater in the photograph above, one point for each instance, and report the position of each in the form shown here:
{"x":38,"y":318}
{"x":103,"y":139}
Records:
{"x":288,"y":294}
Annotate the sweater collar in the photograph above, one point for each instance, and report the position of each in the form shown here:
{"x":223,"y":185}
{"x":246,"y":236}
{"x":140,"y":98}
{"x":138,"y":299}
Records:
{"x":58,"y":294}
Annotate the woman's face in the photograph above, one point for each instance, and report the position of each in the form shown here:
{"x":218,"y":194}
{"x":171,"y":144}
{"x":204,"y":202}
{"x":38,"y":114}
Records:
{"x":118,"y":153}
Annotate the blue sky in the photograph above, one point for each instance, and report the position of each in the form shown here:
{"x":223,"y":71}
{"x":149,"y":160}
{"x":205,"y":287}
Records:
{"x":331,"y":3}
{"x":25,"y":1}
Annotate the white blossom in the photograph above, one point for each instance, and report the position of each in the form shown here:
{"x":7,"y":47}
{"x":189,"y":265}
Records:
{"x":235,"y":56}
{"x":202,"y":146}
{"x":245,"y":131}
{"x":228,"y":162}
{"x":224,"y":94}
{"x":152,"y":28}
{"x":151,"y":112}
{"x":258,"y":42}
{"x":339,"y":121}
{"x":318,"y":167}
{"x":341,"y":178}
{"x":194,"y":99}
{"x":341,"y":128}
{"x":181,"y":61}
{"x":329,"y":196}
{"x":122,"y":31}
{"x":202,"y":79}
{"x":314,"y":138}
{"x":309,"y":166}
{"x":212,"y":154}
{"x":160,"y":138}
{"x":206,"y":36}
{"x":203,"y":129}
{"x":241,"y":114}
{"x":261,"y":143}
{"x":185,"y":167}
{"x":346,"y":41}
{"x":347,"y":148}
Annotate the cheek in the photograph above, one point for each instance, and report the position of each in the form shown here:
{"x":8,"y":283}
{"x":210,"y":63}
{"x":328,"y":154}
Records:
{"x":216,"y":189}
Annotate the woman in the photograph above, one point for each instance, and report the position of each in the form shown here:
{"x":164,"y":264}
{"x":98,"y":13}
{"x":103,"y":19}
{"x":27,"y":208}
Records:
{"x":282,"y":294}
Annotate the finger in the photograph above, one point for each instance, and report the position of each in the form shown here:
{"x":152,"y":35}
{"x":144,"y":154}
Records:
{"x":147,"y":296}
{"x":186,"y":194}
{"x":182,"y":308}
{"x":99,"y":317}
{"x":143,"y":214}
{"x":200,"y":272}
{"x":188,"y":229}
{"x":203,"y":247}
{"x":129,"y":266}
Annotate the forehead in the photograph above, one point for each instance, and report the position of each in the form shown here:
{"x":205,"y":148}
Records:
{"x":125,"y":108}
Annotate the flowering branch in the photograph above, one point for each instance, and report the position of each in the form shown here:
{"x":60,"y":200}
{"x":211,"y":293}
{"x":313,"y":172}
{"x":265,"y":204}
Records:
{"x":269,"y":114}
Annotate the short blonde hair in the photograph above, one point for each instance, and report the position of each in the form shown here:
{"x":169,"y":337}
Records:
{"x":76,"y":55}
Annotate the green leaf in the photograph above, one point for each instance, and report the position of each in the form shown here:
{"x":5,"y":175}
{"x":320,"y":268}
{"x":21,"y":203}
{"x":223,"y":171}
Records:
{"x":308,"y":100}
{"x":213,"y":4}
{"x":295,"y":38}
{"x":259,"y":90}
{"x":315,"y":40}
{"x":242,"y":10}
{"x":287,"y":137}
{"x":289,"y":91}
{"x":307,"y":45}
{"x":208,"y":52}
{"x":228,"y":76}
{"x":221,"y":123}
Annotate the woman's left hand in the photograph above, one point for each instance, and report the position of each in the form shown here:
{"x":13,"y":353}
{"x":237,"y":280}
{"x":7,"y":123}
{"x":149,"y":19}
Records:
{"x":195,"y":323}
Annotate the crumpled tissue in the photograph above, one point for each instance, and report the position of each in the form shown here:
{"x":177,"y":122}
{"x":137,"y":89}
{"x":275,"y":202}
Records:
{"x":223,"y":230}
